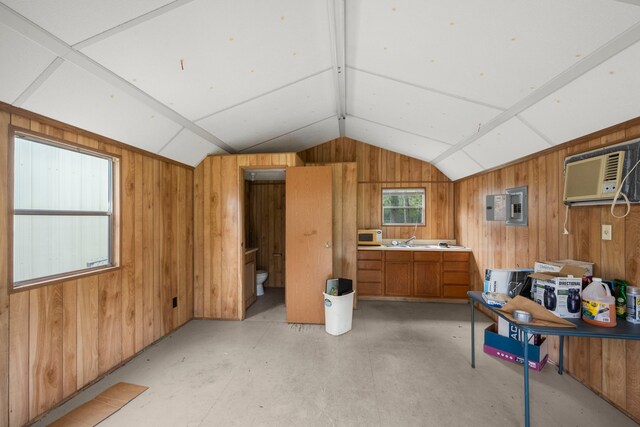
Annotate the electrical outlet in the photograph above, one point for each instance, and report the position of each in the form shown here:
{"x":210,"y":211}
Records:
{"x":606,"y":231}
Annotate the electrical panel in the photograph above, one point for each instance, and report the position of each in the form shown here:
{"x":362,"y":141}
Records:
{"x":512,"y":207}
{"x":517,"y":206}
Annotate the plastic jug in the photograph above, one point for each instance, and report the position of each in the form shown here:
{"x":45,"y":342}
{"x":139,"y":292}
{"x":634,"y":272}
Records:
{"x":598,"y":305}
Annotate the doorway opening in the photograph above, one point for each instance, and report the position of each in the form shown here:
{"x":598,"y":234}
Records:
{"x":264,"y":236}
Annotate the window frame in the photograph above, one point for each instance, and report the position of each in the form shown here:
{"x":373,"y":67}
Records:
{"x":113,"y":213}
{"x":404,"y":189}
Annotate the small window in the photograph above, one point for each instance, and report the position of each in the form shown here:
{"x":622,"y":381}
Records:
{"x":63,"y":222}
{"x":403,"y":206}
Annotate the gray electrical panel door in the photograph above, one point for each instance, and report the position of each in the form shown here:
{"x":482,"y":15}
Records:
{"x":496,"y":207}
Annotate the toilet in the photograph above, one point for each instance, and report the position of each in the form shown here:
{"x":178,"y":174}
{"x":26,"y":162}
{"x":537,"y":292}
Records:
{"x":261,"y":277}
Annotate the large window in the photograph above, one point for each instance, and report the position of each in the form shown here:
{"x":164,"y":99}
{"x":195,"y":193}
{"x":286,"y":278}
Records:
{"x":403,"y":206}
{"x":63,"y":222}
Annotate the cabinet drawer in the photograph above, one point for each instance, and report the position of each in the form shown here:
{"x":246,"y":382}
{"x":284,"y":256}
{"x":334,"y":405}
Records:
{"x":456,"y":266}
{"x":397,"y":256}
{"x":369,"y":276}
{"x":369,"y":288}
{"x":455,"y":291}
{"x":455,"y":278}
{"x":427,"y":256}
{"x":456,"y":256}
{"x":369,"y":265}
{"x":369,"y":254}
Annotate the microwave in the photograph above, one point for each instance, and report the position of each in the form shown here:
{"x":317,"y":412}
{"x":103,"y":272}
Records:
{"x":369,"y":237}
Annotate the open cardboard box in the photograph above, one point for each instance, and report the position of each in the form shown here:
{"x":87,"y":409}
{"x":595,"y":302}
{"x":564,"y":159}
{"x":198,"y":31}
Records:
{"x":512,"y":350}
{"x":556,"y":266}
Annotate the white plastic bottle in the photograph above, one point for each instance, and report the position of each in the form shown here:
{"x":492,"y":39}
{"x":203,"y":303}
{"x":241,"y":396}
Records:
{"x":598,"y":305}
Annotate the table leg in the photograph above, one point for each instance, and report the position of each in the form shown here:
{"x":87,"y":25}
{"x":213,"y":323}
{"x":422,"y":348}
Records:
{"x":473,"y":335}
{"x":526,"y":382}
{"x":561,"y":356}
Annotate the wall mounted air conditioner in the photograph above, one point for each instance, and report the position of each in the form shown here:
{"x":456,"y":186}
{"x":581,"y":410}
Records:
{"x":598,"y":176}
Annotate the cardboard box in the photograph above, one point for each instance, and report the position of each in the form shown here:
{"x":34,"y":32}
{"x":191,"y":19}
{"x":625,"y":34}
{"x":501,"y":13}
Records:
{"x":504,"y":281}
{"x":560,"y":292}
{"x":509,"y":330}
{"x":512,"y":350}
{"x":556,"y":266}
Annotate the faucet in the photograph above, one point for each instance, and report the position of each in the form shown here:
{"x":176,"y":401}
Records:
{"x":409,"y":240}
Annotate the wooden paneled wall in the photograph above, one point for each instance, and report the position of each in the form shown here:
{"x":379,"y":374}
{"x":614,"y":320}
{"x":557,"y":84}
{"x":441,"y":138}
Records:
{"x":379,"y":168}
{"x":265,"y":216}
{"x":609,"y":367}
{"x":56,"y":339}
{"x":219,"y":231}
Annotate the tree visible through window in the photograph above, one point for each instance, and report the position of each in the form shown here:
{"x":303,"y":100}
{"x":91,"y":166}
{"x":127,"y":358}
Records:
{"x":403,"y":206}
{"x":62,"y":210}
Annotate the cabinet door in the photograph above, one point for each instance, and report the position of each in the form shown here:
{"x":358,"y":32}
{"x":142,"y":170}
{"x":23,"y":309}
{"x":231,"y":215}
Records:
{"x":308,"y":245}
{"x":427,"y":279}
{"x":249,"y":283}
{"x":397,"y":278}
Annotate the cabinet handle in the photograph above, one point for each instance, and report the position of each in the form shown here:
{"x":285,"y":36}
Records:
{"x":276,"y":254}
{"x":327,"y":245}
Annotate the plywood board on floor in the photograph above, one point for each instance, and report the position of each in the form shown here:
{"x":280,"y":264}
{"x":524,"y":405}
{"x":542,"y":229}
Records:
{"x":101,"y":407}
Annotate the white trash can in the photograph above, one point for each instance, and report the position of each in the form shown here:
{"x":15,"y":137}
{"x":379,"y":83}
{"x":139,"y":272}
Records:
{"x":338,"y":313}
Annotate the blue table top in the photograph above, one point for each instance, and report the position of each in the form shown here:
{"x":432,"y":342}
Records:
{"x":623,"y":329}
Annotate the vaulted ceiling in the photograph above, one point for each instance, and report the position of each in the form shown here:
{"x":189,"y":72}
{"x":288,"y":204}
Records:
{"x":467,"y":85}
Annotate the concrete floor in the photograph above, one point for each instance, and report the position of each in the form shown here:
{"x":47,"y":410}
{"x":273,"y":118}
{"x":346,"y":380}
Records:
{"x":402,"y":364}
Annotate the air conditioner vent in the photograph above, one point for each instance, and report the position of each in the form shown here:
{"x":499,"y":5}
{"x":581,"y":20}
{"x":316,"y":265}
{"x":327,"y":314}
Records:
{"x":611,"y":167}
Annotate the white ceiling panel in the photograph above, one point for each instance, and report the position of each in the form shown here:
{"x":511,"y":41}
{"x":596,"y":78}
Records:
{"x":494,"y":51}
{"x":74,"y":21}
{"x":301,"y":139}
{"x":27,"y":61}
{"x":463,"y":84}
{"x":275,"y":114}
{"x":458,"y":165}
{"x":426,"y":113}
{"x":509,"y":141}
{"x":231,"y":51}
{"x":393,"y":139}
{"x":74,"y":96}
{"x":189,"y":148}
{"x":607,"y":95}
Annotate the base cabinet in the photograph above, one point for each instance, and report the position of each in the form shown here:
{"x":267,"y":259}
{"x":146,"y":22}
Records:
{"x":370,"y":271}
{"x":414,"y":274}
{"x":456,"y":277}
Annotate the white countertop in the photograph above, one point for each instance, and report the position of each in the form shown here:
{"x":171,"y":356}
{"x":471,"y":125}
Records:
{"x":411,"y":248}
